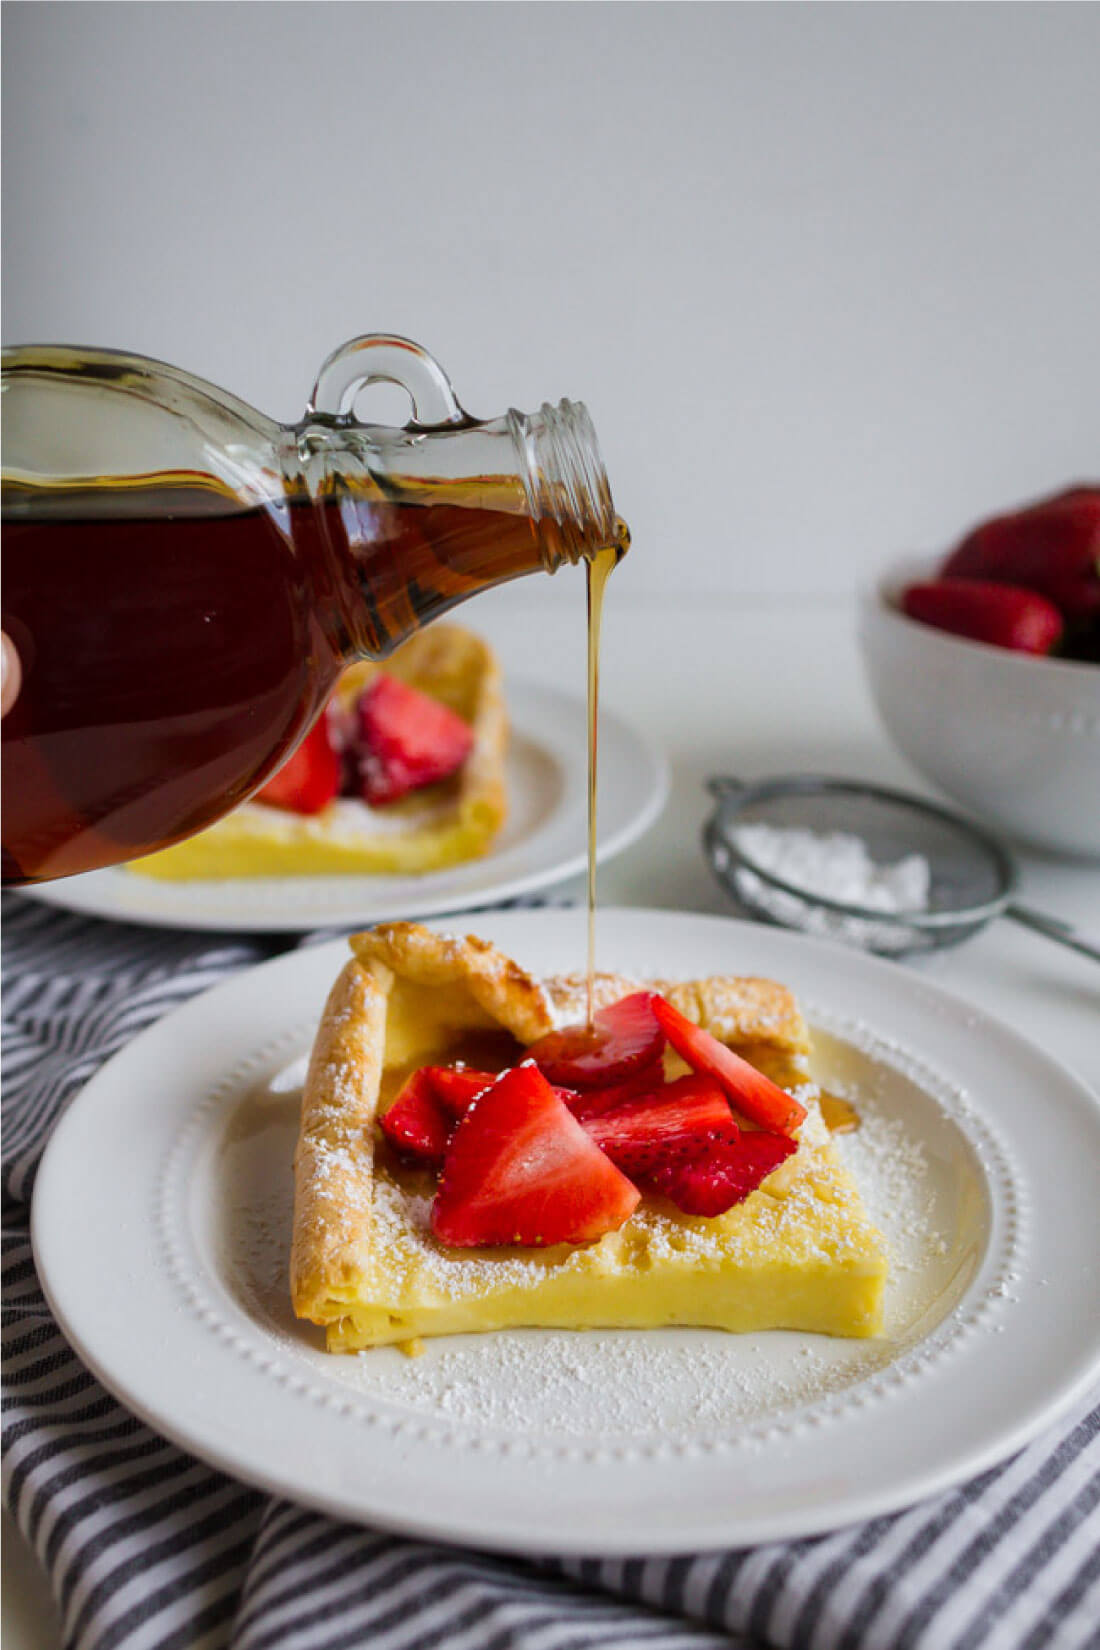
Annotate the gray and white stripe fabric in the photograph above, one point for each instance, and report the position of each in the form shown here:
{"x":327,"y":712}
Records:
{"x":146,"y":1548}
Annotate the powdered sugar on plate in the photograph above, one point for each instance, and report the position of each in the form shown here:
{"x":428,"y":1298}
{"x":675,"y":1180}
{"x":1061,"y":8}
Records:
{"x":348,"y":817}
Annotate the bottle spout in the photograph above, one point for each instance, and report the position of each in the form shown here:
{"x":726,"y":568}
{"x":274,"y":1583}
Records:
{"x":566,"y":485}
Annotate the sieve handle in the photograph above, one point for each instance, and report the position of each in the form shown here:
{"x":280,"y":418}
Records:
{"x":1054,"y":928}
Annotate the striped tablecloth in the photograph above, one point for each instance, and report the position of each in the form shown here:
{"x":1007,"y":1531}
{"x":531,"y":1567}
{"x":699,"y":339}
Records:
{"x":145,"y":1546}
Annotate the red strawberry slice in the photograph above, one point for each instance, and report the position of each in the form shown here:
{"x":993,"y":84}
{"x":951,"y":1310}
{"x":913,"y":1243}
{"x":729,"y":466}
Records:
{"x":761,"y":1100}
{"x":521,"y":1170}
{"x":647,"y":1133}
{"x":406,"y":739}
{"x":1002,"y":615}
{"x":584,"y":1103}
{"x":715,"y":1177}
{"x":622,"y":1040}
{"x":424,"y":1115}
{"x":457,"y":1086}
{"x":417,"y":1123}
{"x":308,"y":780}
{"x":1052,"y":546}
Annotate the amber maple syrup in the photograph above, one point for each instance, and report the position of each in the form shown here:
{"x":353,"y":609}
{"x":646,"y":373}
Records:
{"x":597,"y":573}
{"x":839,"y":1116}
{"x":181,"y":642}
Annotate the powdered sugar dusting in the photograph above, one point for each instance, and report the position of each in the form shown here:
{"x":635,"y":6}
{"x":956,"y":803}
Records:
{"x":892,"y":1172}
{"x":351,"y":820}
{"x":631,"y":1385}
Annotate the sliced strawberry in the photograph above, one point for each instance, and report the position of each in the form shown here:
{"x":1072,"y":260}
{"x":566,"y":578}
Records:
{"x":418,"y":1123}
{"x":1002,"y":615}
{"x":422,"y":1119}
{"x":584,"y":1103}
{"x":310,"y":779}
{"x":521,"y":1170}
{"x":678,"y":1121}
{"x":406,"y":739}
{"x":715,"y":1177}
{"x":622,"y":1039}
{"x":761,"y":1100}
{"x":457,"y":1086}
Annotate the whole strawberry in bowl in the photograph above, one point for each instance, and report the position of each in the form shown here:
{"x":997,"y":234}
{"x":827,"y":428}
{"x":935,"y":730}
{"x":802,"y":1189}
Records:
{"x":984,"y":666}
{"x":1050,"y":550}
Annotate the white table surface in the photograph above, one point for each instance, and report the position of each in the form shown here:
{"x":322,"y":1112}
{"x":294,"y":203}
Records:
{"x":751,"y":688}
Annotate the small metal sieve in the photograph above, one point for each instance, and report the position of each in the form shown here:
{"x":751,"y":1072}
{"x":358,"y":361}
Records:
{"x":972,"y":875}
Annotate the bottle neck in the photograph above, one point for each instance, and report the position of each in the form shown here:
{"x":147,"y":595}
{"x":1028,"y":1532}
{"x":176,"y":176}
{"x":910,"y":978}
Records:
{"x":565,"y":484}
{"x":405,"y":524}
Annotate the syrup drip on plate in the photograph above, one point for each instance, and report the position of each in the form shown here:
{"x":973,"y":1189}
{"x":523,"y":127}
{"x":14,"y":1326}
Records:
{"x":839,"y":1116}
{"x":597,"y":572}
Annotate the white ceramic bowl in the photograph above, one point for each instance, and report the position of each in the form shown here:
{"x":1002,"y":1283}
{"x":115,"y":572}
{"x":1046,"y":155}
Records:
{"x":1014,"y":738}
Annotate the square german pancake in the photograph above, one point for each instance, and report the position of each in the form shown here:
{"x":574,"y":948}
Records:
{"x":799,"y":1253}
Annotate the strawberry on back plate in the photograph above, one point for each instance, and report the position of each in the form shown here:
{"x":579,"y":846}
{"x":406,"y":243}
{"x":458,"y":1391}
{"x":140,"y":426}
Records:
{"x":310,"y":779}
{"x":405,"y":740}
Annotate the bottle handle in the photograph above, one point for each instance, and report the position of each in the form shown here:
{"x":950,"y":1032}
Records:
{"x":384,"y":357}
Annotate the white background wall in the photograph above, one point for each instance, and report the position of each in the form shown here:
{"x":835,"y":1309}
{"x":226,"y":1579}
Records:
{"x":826,"y":275}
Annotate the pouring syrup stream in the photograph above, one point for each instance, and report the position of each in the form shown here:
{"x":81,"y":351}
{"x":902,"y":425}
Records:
{"x":597,"y":572}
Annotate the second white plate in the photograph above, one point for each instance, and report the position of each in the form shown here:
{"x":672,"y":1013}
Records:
{"x":544,"y":841}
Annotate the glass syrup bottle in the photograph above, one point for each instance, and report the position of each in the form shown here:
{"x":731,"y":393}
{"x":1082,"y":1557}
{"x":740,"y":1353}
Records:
{"x":185,"y":579}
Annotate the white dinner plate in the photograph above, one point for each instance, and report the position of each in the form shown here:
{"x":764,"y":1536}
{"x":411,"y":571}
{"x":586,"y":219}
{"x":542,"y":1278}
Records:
{"x":161,"y":1228}
{"x":544,"y":840}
